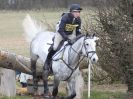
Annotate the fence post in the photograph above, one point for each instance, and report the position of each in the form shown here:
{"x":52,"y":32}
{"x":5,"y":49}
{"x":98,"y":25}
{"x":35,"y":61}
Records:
{"x":7,"y":82}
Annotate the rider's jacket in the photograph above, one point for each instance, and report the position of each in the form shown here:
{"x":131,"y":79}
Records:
{"x":68,"y":24}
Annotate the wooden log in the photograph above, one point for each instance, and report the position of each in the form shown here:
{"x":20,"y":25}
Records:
{"x":18,"y":62}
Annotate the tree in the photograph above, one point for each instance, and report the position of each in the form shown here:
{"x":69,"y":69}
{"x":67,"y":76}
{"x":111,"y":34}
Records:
{"x":115,"y":28}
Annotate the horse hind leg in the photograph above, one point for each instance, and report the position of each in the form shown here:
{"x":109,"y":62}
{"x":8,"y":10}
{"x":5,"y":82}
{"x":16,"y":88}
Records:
{"x":33,"y":69}
{"x":45,"y":83}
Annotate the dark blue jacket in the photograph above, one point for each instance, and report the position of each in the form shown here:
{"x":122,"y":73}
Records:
{"x":67,"y":24}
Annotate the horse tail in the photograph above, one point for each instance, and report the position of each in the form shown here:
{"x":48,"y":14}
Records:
{"x":31,"y":28}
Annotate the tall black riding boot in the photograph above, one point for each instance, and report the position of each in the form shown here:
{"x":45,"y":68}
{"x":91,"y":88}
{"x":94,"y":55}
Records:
{"x":49,"y":59}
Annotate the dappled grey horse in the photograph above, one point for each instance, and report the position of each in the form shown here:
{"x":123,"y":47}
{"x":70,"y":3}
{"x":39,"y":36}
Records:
{"x":65,"y":63}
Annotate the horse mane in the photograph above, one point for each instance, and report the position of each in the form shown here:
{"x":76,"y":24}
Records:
{"x":79,"y":36}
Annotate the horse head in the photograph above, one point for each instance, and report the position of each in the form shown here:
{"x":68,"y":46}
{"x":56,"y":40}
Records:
{"x":89,"y":48}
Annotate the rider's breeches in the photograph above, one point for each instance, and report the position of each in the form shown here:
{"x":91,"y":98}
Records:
{"x":58,"y":38}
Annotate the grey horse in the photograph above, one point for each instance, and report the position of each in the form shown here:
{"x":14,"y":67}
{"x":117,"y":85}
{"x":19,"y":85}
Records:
{"x":65,"y":63}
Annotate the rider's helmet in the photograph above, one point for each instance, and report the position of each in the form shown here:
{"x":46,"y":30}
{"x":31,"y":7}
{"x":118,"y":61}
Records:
{"x":75,"y":7}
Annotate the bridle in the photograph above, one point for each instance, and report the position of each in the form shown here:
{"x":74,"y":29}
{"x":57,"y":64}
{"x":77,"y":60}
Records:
{"x":85,"y":48}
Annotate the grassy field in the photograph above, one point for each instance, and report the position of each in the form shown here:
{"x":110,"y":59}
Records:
{"x":11,"y":31}
{"x":12,"y":39}
{"x":94,"y":95}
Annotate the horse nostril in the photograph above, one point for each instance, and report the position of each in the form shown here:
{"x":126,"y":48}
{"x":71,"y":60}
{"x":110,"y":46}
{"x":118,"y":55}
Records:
{"x":94,"y":59}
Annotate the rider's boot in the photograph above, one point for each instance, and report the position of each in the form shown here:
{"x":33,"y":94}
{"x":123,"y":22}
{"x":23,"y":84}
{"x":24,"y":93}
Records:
{"x":49,"y":57}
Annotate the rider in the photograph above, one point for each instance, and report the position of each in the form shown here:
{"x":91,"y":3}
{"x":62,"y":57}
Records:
{"x":69,"y":23}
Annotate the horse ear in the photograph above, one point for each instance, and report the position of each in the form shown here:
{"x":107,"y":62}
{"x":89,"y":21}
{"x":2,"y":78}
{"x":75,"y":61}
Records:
{"x":87,"y":34}
{"x":96,"y":38}
{"x":93,"y":35}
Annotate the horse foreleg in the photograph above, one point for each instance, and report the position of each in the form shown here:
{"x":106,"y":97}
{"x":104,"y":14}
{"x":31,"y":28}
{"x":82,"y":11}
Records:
{"x":71,"y":90}
{"x":55,"y":88}
{"x":33,"y":68}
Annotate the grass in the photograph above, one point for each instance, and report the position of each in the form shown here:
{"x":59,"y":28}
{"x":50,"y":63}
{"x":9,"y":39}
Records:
{"x":11,"y":31}
{"x":104,"y":95}
{"x":94,"y":95}
{"x":17,"y":97}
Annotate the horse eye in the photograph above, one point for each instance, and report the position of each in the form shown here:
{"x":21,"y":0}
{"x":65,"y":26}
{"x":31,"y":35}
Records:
{"x":87,"y":44}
